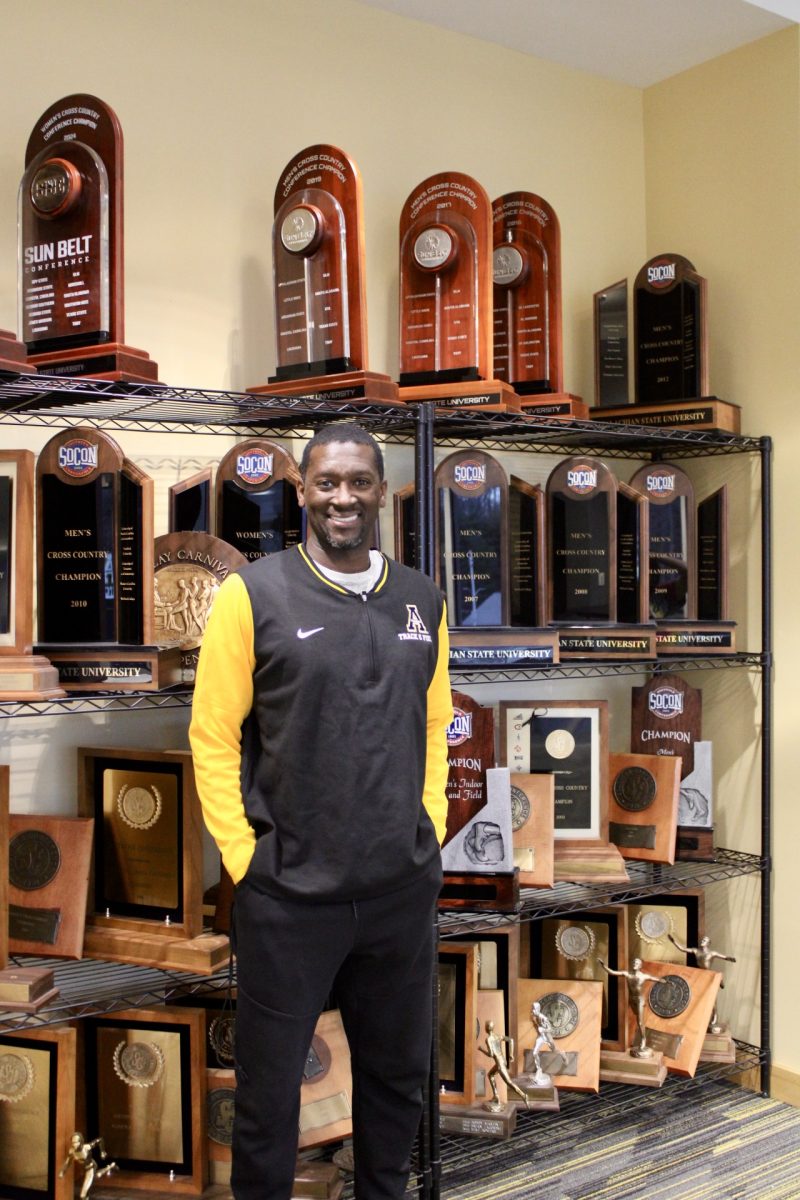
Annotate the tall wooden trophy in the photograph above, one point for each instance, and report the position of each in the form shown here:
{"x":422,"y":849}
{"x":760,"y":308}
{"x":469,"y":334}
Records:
{"x":71,"y":275}
{"x":446,"y":297}
{"x":320,"y":284}
{"x":526,"y":271}
{"x":95,"y":567}
{"x":671,"y":352}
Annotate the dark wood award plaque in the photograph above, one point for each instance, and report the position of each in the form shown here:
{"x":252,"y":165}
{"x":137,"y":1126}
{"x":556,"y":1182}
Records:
{"x":670,"y":333}
{"x":582,"y":542}
{"x":71,"y":274}
{"x":470,"y":752}
{"x":13,"y":355}
{"x":526,"y":271}
{"x":23,"y":675}
{"x":457,"y":1018}
{"x":4,"y":790}
{"x":472,"y":555}
{"x":191,"y":504}
{"x":37,"y":1113}
{"x":49,"y":864}
{"x":666,"y":719}
{"x":256,"y":499}
{"x":95,"y":572}
{"x":611,"y":345}
{"x":320,"y":283}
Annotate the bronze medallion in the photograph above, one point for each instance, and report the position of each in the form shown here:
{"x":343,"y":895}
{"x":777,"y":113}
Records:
{"x":222,"y":1037}
{"x":670,"y":996}
{"x":138,"y":1064}
{"x":575,"y":942}
{"x":221,"y":1103}
{"x":654,"y":924}
{"x":562,"y":1013}
{"x":520,"y":808}
{"x":318,"y":1060}
{"x":139,"y":807}
{"x":34,"y":860}
{"x":634,"y":789}
{"x":16,"y":1077}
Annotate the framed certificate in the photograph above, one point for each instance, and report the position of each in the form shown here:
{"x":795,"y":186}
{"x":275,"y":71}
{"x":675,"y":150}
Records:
{"x":568,"y":739}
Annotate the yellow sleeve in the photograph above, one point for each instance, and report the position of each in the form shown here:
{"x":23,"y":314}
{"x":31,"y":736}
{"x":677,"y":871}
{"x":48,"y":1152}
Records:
{"x":440,"y":714}
{"x":223,"y":697}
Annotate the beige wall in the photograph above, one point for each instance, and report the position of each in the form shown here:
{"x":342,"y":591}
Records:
{"x":214,"y":99}
{"x":722,"y":158}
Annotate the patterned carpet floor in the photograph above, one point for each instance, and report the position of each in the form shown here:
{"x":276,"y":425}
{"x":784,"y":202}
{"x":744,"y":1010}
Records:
{"x":720,"y":1143}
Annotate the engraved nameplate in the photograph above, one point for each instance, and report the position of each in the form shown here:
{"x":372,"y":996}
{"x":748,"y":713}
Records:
{"x":34,"y":924}
{"x":324,"y":1112}
{"x":668,"y":1043}
{"x":633,"y":837}
{"x":553,"y":1063}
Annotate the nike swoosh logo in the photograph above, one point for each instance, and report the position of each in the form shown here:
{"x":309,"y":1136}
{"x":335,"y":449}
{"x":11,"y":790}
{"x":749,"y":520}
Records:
{"x":304,"y":633}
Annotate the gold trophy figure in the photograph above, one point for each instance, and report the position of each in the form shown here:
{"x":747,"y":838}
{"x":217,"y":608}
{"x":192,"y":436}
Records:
{"x":494,"y":1050}
{"x":544,"y":1041}
{"x":704,"y":957}
{"x":636,"y":980}
{"x":80,"y":1153}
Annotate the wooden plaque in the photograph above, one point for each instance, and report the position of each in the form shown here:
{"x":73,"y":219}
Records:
{"x":532,"y":822}
{"x":12,"y":355}
{"x":147,"y":870}
{"x":318,"y":266}
{"x":220,"y":1104}
{"x":256,"y":499}
{"x":672,"y":534}
{"x":49,"y":864}
{"x":16,"y":553}
{"x":566,"y":1000}
{"x":611,"y":345}
{"x":470,"y":753}
{"x":670,"y":331}
{"x":457,"y":1015}
{"x":445,"y":282}
{"x":146,"y":1096}
{"x":526,"y":269}
{"x":650,"y":922}
{"x":326,"y":1095}
{"x":498,"y":964}
{"x":680,"y":1038}
{"x":666,"y":719}
{"x":570,"y":947}
{"x":191,"y":504}
{"x":37,"y":1120}
{"x":582,"y":542}
{"x":4,"y":885}
{"x":472,"y":551}
{"x":644,"y":791}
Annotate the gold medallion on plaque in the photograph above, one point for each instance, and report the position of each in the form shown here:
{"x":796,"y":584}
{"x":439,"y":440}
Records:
{"x":139,"y":807}
{"x":575,"y":942}
{"x":222,"y":1037}
{"x":653,"y":925}
{"x":17,"y":1077}
{"x":138,"y":1064}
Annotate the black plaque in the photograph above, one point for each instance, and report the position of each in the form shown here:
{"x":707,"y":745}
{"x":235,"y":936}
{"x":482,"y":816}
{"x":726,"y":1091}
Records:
{"x":670,"y":331}
{"x":191,"y":504}
{"x":712,"y":557}
{"x":582,"y":549}
{"x":672,"y":522}
{"x":611,"y":345}
{"x":257,"y":509}
{"x":471,"y":491}
{"x":526,"y":553}
{"x":6,"y":533}
{"x":632,"y":561}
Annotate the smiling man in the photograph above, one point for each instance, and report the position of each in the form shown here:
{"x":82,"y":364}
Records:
{"x":318,"y":733}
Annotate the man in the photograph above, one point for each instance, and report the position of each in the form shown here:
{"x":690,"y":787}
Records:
{"x":318,"y":733}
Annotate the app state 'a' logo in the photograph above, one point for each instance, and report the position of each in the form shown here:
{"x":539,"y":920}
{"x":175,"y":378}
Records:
{"x":416,"y":630}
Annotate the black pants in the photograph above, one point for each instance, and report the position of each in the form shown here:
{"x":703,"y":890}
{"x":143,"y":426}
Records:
{"x":376,"y":957}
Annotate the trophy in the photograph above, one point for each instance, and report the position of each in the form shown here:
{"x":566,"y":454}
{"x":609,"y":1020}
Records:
{"x":688,"y":563}
{"x":320,"y":284}
{"x":526,"y":272}
{"x":95,"y":576}
{"x":446,"y":298}
{"x":573,"y":1013}
{"x":23,"y":675}
{"x":13,"y":355}
{"x":191,"y":504}
{"x":256,"y":499}
{"x":641,"y":1064}
{"x":71,"y":245}
{"x":611,"y":345}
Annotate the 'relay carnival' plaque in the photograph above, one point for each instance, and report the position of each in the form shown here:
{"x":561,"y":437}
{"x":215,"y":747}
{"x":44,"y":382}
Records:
{"x":526,"y":270}
{"x":70,"y":224}
{"x":670,"y":335}
{"x":257,"y":508}
{"x":320,"y":283}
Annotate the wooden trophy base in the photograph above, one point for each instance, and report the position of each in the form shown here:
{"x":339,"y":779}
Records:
{"x":112,"y":360}
{"x":104,"y":668}
{"x":479,"y":1121}
{"x":482,"y":395}
{"x":13,"y":355}
{"x":682,"y":638}
{"x":718,"y":1047}
{"x":349,"y":387}
{"x":26,"y":989}
{"x":204,"y":955}
{"x":611,"y":641}
{"x":695,"y":844}
{"x":551,"y":406}
{"x":620,"y":1066}
{"x":541,"y":1097}
{"x":29,"y":677}
{"x":503,"y":647}
{"x":317,"y":1181}
{"x":707,"y":412}
{"x":588,"y":864}
{"x":492,"y":892}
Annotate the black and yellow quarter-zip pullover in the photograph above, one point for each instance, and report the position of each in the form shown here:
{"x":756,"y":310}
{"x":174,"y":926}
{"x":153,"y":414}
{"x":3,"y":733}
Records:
{"x":318,"y":728}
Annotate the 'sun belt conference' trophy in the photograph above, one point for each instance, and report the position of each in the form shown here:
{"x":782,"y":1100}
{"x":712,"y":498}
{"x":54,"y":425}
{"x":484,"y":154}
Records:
{"x":71,"y":272}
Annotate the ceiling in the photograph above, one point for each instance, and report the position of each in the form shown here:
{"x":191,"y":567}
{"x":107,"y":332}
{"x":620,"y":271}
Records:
{"x":638,"y":42}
